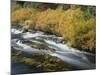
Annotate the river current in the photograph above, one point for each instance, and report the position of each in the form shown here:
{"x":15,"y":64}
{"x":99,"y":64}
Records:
{"x":57,"y":45}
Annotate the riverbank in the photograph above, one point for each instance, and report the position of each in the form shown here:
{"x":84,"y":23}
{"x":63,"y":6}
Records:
{"x":24,"y":63}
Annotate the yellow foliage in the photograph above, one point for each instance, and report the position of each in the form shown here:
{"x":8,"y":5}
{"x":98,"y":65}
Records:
{"x":48,"y":20}
{"x":70,"y":24}
{"x":21,"y":15}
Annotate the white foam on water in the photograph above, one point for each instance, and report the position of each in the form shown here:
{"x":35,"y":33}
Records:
{"x":79,"y":63}
{"x":30,"y":35}
{"x":62,"y":51}
{"x":15,"y":31}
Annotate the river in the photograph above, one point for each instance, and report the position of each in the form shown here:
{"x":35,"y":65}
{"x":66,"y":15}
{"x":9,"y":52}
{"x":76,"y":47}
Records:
{"x":51,"y":45}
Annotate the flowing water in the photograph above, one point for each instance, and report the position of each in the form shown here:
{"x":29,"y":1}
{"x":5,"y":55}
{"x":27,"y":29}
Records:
{"x":51,"y":45}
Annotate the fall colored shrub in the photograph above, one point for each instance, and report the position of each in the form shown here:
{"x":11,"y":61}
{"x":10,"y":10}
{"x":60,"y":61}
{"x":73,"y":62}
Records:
{"x":84,"y":34}
{"x":79,"y":32}
{"x":49,"y":20}
{"x":24,"y":16}
{"x":70,"y":24}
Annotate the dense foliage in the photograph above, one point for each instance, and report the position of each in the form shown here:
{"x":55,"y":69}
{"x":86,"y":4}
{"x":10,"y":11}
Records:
{"x":76,"y":23}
